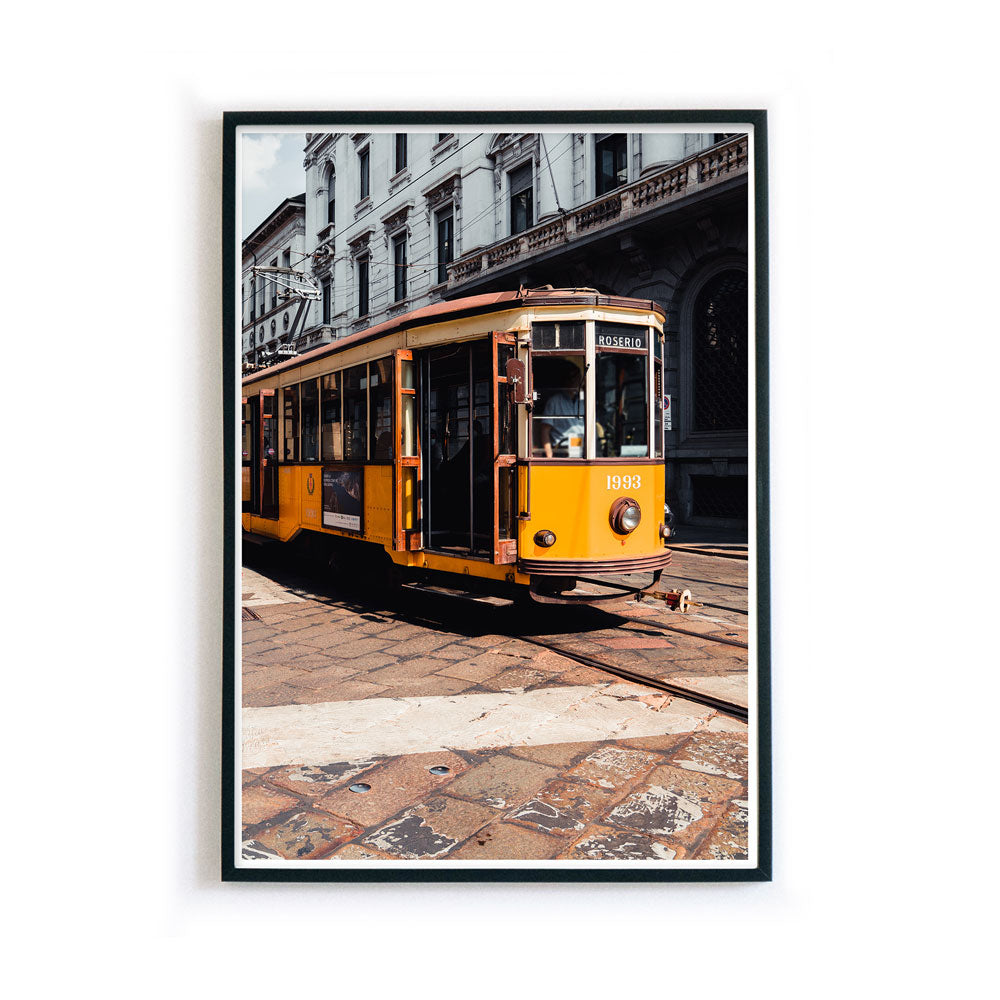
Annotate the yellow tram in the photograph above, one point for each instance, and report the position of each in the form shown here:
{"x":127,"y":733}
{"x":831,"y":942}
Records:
{"x":513,"y":440}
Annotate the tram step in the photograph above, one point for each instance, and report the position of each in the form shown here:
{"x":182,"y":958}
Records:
{"x":462,"y":595}
{"x":249,"y":539}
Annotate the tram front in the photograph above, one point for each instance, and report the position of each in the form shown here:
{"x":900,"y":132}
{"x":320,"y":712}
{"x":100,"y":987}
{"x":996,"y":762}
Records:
{"x":593,"y":485}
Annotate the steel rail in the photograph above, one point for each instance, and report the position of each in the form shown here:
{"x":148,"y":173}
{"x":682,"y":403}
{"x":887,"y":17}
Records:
{"x":731,"y":708}
{"x":714,"y":583}
{"x":721,"y":607}
{"x":683,"y":631}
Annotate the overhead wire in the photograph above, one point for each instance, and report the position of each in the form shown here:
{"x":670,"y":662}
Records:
{"x":466,"y":222}
{"x":427,"y":256}
{"x":403,"y":187}
{"x":304,"y":255}
{"x":386,"y":268}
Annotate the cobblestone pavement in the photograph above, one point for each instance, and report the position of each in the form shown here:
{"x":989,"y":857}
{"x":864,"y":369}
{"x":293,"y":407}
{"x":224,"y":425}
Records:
{"x":424,"y":730}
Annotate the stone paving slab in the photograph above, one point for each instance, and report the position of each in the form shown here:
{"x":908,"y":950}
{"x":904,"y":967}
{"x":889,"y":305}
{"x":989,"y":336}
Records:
{"x":546,"y":758}
{"x":353,"y":730}
{"x":605,"y":843}
{"x":258,"y":590}
{"x":617,"y":801}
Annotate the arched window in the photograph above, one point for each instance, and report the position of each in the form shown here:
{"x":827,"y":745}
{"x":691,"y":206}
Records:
{"x":719,"y":353}
{"x":331,"y":197}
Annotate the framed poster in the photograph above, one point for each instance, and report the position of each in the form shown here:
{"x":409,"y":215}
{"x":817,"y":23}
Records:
{"x":534,"y":660}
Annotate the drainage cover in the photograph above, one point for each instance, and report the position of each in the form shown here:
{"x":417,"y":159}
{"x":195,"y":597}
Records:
{"x":440,"y":769}
{"x":250,"y":615}
{"x":361,"y":788}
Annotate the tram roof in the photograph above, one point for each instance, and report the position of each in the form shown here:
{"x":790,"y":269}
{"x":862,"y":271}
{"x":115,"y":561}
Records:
{"x":468,"y":306}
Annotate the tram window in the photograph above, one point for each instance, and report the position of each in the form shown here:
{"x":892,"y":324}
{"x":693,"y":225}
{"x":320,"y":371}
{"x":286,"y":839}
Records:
{"x":356,"y":413}
{"x":658,"y":410}
{"x":507,"y":499}
{"x":310,"y":420}
{"x":290,"y":423}
{"x":658,"y":396}
{"x":380,"y":389}
{"x":622,"y":387}
{"x":331,"y":439}
{"x":247,"y":426}
{"x":558,"y":420}
{"x":269,"y":429}
{"x":506,"y":441}
{"x":409,"y":426}
{"x":558,"y":337}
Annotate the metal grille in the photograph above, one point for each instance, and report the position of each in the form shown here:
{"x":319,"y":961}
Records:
{"x":720,"y":353}
{"x":250,"y":615}
{"x":719,"y":496}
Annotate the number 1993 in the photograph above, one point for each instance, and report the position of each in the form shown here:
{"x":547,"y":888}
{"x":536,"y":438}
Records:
{"x":624,"y":482}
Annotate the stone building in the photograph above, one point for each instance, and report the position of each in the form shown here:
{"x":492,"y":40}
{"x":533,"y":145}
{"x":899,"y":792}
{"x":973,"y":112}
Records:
{"x":268,"y":317}
{"x":398,"y":220}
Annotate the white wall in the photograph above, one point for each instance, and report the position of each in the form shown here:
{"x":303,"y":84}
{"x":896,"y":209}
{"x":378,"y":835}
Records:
{"x":883,"y":805}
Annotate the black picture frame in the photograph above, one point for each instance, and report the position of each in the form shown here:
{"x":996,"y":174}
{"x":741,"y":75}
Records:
{"x":424,"y":871}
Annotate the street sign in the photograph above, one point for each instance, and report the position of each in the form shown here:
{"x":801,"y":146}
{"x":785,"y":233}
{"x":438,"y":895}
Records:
{"x":668,"y":417}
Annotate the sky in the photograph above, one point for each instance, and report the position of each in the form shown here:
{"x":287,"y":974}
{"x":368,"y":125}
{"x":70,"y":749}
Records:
{"x":272,"y":172}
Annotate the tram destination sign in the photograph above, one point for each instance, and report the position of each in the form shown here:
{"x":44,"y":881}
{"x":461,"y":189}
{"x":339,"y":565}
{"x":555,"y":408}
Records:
{"x":619,"y":341}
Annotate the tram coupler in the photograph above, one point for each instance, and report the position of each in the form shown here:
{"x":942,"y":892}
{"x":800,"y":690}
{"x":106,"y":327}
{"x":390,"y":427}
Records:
{"x":676,"y":600}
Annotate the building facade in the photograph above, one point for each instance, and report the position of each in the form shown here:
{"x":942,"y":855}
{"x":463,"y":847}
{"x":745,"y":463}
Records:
{"x":269,"y":317}
{"x":395,"y":221}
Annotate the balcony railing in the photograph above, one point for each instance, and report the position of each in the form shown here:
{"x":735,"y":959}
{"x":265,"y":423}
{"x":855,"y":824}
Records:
{"x":696,"y":173}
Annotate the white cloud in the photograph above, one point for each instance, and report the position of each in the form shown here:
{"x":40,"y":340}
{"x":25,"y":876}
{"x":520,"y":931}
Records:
{"x":260,"y":154}
{"x":272,"y":171}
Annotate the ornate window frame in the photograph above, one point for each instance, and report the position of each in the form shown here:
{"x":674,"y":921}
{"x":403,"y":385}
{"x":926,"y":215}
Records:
{"x":329,"y":177}
{"x":511,"y":151}
{"x":444,"y":193}
{"x":364,"y":202}
{"x":360,"y":249}
{"x":444,"y":147}
{"x":395,"y":223}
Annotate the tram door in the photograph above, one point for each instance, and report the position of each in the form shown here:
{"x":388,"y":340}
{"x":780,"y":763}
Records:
{"x":260,"y":454}
{"x":406,"y":454}
{"x":470,"y":450}
{"x":458,"y":448}
{"x":504,"y":349}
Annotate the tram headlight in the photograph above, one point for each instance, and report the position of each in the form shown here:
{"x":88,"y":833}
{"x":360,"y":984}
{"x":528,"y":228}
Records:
{"x":625,"y":515}
{"x":545,"y":538}
{"x":631,"y":517}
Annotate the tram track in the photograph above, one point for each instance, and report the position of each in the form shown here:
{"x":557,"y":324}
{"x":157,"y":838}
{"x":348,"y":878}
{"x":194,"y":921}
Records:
{"x":434,"y":620}
{"x":724,"y":640}
{"x":722,"y":607}
{"x":713,"y":583}
{"x":721,"y":705}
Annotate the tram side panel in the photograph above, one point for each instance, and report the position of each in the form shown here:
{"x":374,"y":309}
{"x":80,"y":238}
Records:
{"x":300,"y":505}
